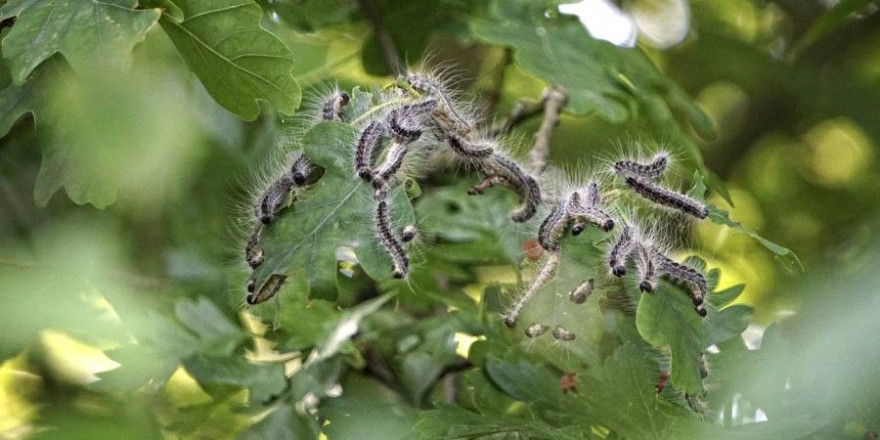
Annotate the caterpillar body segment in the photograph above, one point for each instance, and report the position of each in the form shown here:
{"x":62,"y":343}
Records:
{"x":363,"y":152}
{"x":446,"y":109}
{"x":253,"y":255}
{"x":272,"y":201}
{"x":404,"y":122}
{"x":619,"y":251}
{"x":524,"y":184}
{"x":646,"y":267}
{"x":487,"y":183}
{"x":553,"y":227}
{"x":653,"y":170}
{"x":665,"y":197}
{"x":685,"y":275}
{"x":389,"y":167}
{"x":332,"y":110}
{"x":399,"y":260}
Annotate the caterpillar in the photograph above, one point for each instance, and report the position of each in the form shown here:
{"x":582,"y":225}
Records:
{"x":529,"y":191}
{"x":303,"y":172}
{"x":408,"y":233}
{"x":332,"y":110}
{"x":584,"y":214}
{"x":665,"y":197}
{"x":619,"y":251}
{"x":461,"y":147}
{"x":560,"y":333}
{"x":267,"y":290}
{"x":690,"y":277}
{"x":392,"y":163}
{"x":427,"y":85}
{"x":551,"y":228}
{"x":646,"y":267}
{"x":652,"y":171}
{"x":547,"y":272}
{"x":400,"y":262}
{"x":273,"y":199}
{"x":400,"y":119}
{"x":534,"y":330}
{"x":364,"y":149}
{"x":583,"y":291}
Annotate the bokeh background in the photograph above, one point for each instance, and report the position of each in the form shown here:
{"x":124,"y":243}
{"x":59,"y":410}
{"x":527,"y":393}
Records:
{"x":793,"y":92}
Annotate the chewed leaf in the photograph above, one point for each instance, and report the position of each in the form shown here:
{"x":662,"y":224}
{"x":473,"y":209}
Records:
{"x":600,"y":77}
{"x":337,"y":211}
{"x":783,"y":255}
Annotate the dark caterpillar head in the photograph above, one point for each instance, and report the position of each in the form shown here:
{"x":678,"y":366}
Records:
{"x":578,"y":228}
{"x":646,"y":286}
{"x":607,"y":226}
{"x":618,"y":271}
{"x":251,"y":286}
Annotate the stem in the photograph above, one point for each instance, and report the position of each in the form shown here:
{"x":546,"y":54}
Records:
{"x":555,"y":100}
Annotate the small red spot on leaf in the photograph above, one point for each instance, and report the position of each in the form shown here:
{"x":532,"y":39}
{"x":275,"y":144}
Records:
{"x":532,"y":249}
{"x":568,"y":382}
{"x":661,"y":383}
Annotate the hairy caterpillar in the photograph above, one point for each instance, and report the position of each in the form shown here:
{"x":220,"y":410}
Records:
{"x":400,"y":262}
{"x":401,"y":119}
{"x":688,"y":276}
{"x":332,"y":110}
{"x":547,"y":272}
{"x":560,"y":333}
{"x":427,"y":85}
{"x":460,"y":146}
{"x":273,"y":199}
{"x":646,"y":267}
{"x":552,"y":227}
{"x":583,"y":291}
{"x":588,"y":213}
{"x":534,"y":330}
{"x":665,"y":197}
{"x":364,"y":149}
{"x":525,"y":185}
{"x":654,"y":170}
{"x":392,"y":163}
{"x":267,"y":290}
{"x":620,"y":250}
{"x":408,"y":233}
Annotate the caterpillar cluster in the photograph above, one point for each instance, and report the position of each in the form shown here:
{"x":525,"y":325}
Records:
{"x":583,"y":206}
{"x":419,"y":114}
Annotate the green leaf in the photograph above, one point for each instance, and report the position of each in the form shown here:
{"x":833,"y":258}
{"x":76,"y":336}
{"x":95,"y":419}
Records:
{"x":263,"y":381}
{"x":283,"y":423}
{"x":78,"y":29}
{"x":367,"y":410}
{"x":784,"y":256}
{"x":726,"y":296}
{"x":16,"y":100}
{"x":599,"y":77}
{"x":667,"y":318}
{"x":218,"y":335}
{"x":239,"y":62}
{"x":727,"y":324}
{"x":451,"y":422}
{"x":338,"y":210}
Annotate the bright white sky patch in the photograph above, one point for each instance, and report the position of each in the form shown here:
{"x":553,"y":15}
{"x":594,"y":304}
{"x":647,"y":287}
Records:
{"x":604,"y":21}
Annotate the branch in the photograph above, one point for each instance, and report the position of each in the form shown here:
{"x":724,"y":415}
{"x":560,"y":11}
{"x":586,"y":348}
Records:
{"x":555,"y":100}
{"x":386,"y":43}
{"x":522,"y":110}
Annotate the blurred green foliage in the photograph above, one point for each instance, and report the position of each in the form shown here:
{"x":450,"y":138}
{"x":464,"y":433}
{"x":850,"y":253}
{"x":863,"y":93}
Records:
{"x":131,"y":133}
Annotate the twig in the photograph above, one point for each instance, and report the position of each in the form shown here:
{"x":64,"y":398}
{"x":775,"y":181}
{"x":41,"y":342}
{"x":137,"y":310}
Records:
{"x":522,"y":110}
{"x":386,"y":43}
{"x":555,"y":100}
